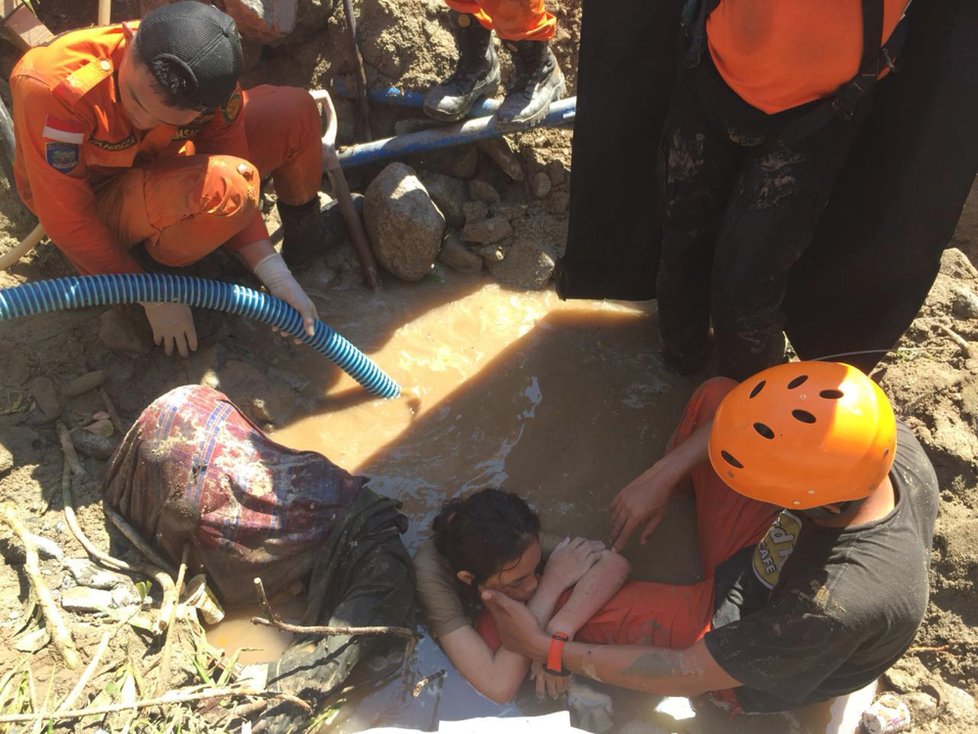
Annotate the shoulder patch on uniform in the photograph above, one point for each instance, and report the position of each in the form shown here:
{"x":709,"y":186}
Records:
{"x":83,"y":79}
{"x":233,"y":108}
{"x":64,"y":131}
{"x":62,"y":157}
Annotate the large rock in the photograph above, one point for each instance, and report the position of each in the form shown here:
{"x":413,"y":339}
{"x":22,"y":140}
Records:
{"x":46,"y":397}
{"x":456,"y":255}
{"x":449,"y":196}
{"x":265,"y":21}
{"x":526,"y":264}
{"x":487,"y":231}
{"x":404,"y":225}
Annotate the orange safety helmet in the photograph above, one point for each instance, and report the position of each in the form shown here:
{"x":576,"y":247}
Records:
{"x":804,"y":434}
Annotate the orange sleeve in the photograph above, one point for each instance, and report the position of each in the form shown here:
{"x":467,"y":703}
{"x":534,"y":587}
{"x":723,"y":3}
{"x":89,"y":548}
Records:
{"x":225,"y":135}
{"x":63,"y":201}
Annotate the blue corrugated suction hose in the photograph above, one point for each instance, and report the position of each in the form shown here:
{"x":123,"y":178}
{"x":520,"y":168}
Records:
{"x":103,"y":290}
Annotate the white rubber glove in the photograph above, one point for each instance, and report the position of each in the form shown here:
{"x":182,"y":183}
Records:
{"x":173,"y":326}
{"x":275,"y":274}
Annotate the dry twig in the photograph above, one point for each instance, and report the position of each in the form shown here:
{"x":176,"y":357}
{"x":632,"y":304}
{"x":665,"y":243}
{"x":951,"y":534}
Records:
{"x":956,"y":338}
{"x":71,"y":456}
{"x":171,"y":698}
{"x":169,"y":622}
{"x":86,"y":676}
{"x":60,"y":634}
{"x":110,"y":409}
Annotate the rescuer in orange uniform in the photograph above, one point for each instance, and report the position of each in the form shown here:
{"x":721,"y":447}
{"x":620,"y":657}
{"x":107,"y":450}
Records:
{"x":140,"y":133}
{"x":525,"y":28}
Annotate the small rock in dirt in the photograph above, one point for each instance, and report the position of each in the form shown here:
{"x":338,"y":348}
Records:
{"x":91,"y":444}
{"x":965,"y":304}
{"x":907,"y":674}
{"x":404,"y":225}
{"x":481,"y":191}
{"x":499,"y":151}
{"x":527,"y":265}
{"x":509,"y":211}
{"x":923,"y":706}
{"x":487,"y":231}
{"x":121,"y":332}
{"x":84,"y":383}
{"x":557,"y":173}
{"x":955,"y":264}
{"x":559,"y":202}
{"x":46,"y":397}
{"x":265,"y":21}
{"x":449,"y":196}
{"x":475,"y":211}
{"x":7,"y":459}
{"x":540,"y":185}
{"x":457,"y":255}
{"x":958,"y":706}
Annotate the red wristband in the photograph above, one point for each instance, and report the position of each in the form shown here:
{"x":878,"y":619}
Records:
{"x":554,"y":654}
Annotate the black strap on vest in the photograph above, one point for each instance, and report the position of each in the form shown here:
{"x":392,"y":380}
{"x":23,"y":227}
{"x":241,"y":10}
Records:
{"x":844,"y":103}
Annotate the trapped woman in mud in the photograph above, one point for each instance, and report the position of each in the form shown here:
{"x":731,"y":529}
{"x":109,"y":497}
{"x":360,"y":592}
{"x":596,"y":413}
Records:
{"x":492,"y":540}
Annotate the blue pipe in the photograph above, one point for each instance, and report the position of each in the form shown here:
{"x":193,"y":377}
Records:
{"x":408,"y":98}
{"x":460,"y":133}
{"x":104,"y":290}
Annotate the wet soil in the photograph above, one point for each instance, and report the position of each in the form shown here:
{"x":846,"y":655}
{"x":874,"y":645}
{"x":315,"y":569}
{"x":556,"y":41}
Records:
{"x":564,"y":402}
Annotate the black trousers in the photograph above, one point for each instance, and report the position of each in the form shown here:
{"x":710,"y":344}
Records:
{"x":741,"y":206}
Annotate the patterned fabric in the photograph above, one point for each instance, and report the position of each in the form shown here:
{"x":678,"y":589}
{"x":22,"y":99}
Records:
{"x":194,"y":470}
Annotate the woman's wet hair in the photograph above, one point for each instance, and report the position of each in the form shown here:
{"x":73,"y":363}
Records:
{"x":485,"y":532}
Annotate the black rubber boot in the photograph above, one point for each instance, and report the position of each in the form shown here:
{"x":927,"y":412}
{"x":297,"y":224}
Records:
{"x":302,"y":227}
{"x":475,"y":77}
{"x":537,"y":83}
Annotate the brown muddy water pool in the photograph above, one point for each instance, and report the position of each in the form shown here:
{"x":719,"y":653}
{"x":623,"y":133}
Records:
{"x":562,"y":402}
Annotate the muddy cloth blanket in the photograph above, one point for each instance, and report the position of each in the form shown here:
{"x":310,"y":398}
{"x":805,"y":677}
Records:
{"x":894,"y":208}
{"x":193,"y":470}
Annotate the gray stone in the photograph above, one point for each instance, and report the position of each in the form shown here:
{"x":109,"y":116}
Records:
{"x":404,"y":225}
{"x":7,"y":459}
{"x":965,"y":303}
{"x":455,"y":162}
{"x":955,"y":264}
{"x":265,"y":21}
{"x":527,"y":265}
{"x":490,"y":254}
{"x":46,"y":396}
{"x":487,"y":231}
{"x":481,"y":191}
{"x":557,"y":173}
{"x":958,"y":707}
{"x":475,"y":211}
{"x":540,"y":185}
{"x":509,"y":211}
{"x":907,"y":674}
{"x":449,"y":196}
{"x":120,"y":332}
{"x":91,"y":444}
{"x":499,"y":151}
{"x":559,"y":202}
{"x":457,"y":255}
{"x":923,"y":706}
{"x":84,"y":383}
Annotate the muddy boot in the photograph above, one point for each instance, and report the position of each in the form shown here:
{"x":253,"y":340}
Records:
{"x":537,"y":83}
{"x":475,"y":77}
{"x":302,"y":227}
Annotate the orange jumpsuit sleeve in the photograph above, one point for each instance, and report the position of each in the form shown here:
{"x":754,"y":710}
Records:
{"x":225,"y":135}
{"x":64,"y":202}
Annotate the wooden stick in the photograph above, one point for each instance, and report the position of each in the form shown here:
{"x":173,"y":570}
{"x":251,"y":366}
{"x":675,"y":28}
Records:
{"x":55,"y":622}
{"x":133,"y":536}
{"x":170,"y":620}
{"x":87,"y":675}
{"x":117,"y":564}
{"x":113,"y":413}
{"x":71,"y":456}
{"x":104,"y":12}
{"x":173,"y":697}
{"x":956,"y":338}
{"x":275,"y":621}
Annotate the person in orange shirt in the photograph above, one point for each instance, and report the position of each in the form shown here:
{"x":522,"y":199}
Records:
{"x":525,"y":28}
{"x":769,"y":100}
{"x":139,"y":133}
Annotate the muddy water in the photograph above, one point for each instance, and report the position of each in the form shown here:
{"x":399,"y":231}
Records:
{"x":561,"y":402}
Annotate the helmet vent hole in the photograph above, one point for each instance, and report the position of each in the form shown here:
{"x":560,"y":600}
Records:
{"x":803,"y":415}
{"x":798,"y":382}
{"x":757,"y":388}
{"x":764,"y":430}
{"x":831,"y":394}
{"x":731,"y":460}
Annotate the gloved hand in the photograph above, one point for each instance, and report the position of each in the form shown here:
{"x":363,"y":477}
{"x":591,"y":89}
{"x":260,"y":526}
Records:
{"x":275,"y":274}
{"x":173,"y":325}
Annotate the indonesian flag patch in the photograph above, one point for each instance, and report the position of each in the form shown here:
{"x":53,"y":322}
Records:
{"x":64,"y":131}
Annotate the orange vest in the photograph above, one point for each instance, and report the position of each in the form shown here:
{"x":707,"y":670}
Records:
{"x":72,"y":133}
{"x":778,"y":54}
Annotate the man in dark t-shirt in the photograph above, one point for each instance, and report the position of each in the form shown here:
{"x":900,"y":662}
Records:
{"x":815,"y":516}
